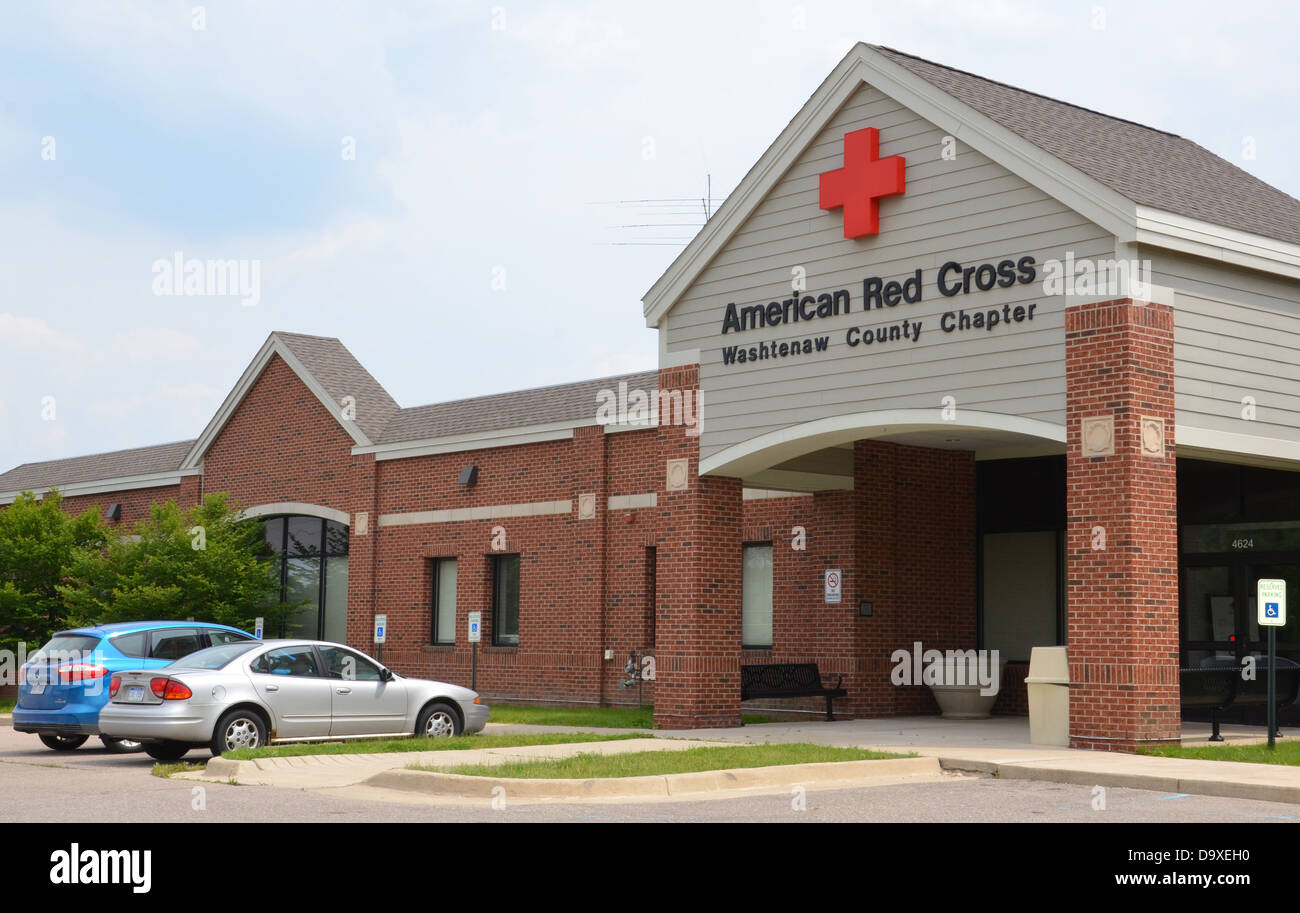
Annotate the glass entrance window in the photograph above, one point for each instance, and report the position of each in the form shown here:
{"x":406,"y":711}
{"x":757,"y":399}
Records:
{"x":311,"y":563}
{"x":1209,"y":613}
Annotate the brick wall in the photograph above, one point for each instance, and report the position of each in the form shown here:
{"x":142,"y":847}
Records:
{"x":135,"y":503}
{"x":903,"y":538}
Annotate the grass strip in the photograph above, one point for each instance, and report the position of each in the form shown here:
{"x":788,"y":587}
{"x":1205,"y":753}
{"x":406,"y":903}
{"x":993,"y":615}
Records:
{"x":388,"y":746}
{"x":1281,"y":753}
{"x":595,"y":717}
{"x":166,"y":770}
{"x":7,"y":706}
{"x":588,"y":766}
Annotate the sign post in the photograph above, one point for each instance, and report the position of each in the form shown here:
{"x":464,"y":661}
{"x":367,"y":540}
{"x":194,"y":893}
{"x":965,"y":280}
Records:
{"x":1270,"y":604}
{"x":258,"y":625}
{"x":475,"y":635}
{"x":381,"y":634}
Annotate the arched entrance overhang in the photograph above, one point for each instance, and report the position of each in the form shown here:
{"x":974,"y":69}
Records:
{"x":818,"y":455}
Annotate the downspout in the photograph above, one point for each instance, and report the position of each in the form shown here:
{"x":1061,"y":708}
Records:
{"x":602,"y":505}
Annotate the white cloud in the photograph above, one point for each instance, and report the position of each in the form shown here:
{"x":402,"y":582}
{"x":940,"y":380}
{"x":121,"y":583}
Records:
{"x":32,"y":334}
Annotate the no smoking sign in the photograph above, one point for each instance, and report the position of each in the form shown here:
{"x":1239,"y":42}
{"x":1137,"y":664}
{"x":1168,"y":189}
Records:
{"x":834,"y":586}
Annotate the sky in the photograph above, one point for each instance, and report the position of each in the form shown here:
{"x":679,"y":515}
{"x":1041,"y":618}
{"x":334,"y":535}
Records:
{"x":451,"y":188}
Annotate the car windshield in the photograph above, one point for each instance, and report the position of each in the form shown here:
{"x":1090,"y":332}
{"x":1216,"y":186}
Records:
{"x":65,"y":648}
{"x":214,"y":657}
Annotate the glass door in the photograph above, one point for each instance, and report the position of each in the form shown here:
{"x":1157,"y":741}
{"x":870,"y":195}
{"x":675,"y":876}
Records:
{"x":1210,"y":619}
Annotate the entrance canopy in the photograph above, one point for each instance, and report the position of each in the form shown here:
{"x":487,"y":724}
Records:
{"x":818,"y":455}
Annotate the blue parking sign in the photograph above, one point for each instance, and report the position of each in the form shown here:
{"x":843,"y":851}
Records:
{"x":1271,"y":599}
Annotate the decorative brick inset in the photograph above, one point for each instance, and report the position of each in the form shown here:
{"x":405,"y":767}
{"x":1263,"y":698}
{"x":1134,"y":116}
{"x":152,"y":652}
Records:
{"x":1098,"y":436}
{"x":1152,"y":431}
{"x":587,"y":505}
{"x":677,"y":476}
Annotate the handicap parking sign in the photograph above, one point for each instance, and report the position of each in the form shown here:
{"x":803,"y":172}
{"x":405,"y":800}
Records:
{"x":1270,"y":596}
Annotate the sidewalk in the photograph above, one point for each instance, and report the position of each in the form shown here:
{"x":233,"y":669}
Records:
{"x":1000,"y":747}
{"x":996,"y":747}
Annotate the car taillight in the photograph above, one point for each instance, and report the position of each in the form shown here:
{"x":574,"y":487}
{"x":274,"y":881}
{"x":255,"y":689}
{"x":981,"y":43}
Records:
{"x":80,"y":672}
{"x":169,"y":689}
{"x":113,"y":685}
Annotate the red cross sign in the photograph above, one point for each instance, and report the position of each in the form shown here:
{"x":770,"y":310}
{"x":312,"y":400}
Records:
{"x":858,"y":186}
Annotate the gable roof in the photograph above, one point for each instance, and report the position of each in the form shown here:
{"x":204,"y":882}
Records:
{"x":339,"y":372}
{"x":118,"y":464}
{"x":1151,"y":167}
{"x":328,"y":369}
{"x":332,"y":372}
{"x":1138,"y":183}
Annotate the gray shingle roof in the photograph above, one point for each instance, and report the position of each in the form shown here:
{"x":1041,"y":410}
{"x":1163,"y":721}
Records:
{"x":339,"y":372}
{"x":1150,"y":167}
{"x":542,"y":405}
{"x":384,"y":422}
{"x":134,"y":462}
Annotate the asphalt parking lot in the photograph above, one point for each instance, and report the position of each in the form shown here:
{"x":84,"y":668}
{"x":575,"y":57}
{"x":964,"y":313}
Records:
{"x":37,"y":784}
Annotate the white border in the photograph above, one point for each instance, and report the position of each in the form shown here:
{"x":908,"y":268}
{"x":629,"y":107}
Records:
{"x":756,"y":454}
{"x":296,"y":508}
{"x":107,"y":486}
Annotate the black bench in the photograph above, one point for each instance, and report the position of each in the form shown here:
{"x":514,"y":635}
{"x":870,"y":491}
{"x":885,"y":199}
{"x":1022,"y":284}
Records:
{"x":1219,"y":685}
{"x":788,"y":680}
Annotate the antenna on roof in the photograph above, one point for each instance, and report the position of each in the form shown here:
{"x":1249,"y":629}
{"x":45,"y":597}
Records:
{"x":650,"y":219}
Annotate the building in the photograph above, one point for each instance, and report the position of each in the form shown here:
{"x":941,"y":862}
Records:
{"x":1018,"y":372}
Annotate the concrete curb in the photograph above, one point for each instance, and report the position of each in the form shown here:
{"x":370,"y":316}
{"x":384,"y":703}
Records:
{"x":827,"y":775}
{"x":1239,"y":787}
{"x":223,"y":769}
{"x":325,"y":770}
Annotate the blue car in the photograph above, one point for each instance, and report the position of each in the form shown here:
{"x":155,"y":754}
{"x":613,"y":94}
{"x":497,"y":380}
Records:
{"x":63,"y":686}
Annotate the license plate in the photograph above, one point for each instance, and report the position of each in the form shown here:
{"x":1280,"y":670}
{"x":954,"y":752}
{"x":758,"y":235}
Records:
{"x":135,"y":694}
{"x":38,"y":687}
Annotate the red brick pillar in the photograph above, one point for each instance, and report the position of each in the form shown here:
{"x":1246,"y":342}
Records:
{"x":698,"y":618}
{"x":1122,"y":553}
{"x":876,"y":552}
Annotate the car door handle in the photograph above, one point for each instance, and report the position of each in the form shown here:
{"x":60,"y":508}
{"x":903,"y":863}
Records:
{"x":345,"y":691}
{"x":272,"y":687}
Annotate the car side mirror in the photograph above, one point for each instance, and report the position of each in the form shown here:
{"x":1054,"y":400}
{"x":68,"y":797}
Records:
{"x":385,"y":675}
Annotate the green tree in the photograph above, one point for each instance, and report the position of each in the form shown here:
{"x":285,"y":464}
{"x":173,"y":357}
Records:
{"x":203,"y":563}
{"x":39,"y":542}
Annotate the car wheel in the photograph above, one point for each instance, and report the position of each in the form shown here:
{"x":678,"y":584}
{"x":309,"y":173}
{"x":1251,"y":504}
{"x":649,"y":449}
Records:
{"x":238,"y":729}
{"x":63,"y":742}
{"x":120,"y":746}
{"x":166,"y":751}
{"x":438,"y":721}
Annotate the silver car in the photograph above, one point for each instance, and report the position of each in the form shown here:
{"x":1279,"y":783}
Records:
{"x":249,"y":694}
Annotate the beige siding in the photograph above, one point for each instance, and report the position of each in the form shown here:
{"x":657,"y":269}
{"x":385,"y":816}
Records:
{"x":969,"y":210}
{"x":1236,"y":334}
